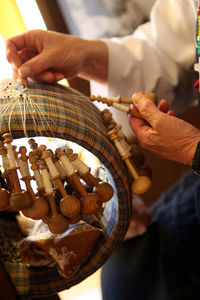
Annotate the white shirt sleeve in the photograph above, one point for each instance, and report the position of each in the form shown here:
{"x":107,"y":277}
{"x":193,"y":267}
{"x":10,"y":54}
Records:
{"x":158,"y":57}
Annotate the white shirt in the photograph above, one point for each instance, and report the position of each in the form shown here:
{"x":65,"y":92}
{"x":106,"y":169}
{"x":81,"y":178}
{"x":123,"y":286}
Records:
{"x":158,"y":57}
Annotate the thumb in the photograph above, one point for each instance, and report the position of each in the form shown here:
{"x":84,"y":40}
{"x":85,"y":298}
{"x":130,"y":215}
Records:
{"x":35,"y":65}
{"x":145,"y":106}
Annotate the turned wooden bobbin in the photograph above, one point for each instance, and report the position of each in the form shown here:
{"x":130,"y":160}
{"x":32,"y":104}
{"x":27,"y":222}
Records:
{"x":115,"y":102}
{"x":69,"y":205}
{"x":90,"y":202}
{"x":6,"y":165}
{"x":34,"y":147}
{"x":36,"y":172}
{"x":141,"y":184}
{"x":63,"y":175}
{"x":69,"y":153}
{"x":39,"y":208}
{"x":56,"y":222}
{"x":19,"y":199}
{"x":103,"y":189}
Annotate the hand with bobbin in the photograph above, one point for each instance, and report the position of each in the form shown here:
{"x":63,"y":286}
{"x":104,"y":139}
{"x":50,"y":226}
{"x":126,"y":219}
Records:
{"x":163,"y":133}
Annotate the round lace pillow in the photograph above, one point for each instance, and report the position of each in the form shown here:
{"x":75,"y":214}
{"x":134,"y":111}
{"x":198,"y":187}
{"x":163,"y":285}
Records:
{"x":62,"y":112}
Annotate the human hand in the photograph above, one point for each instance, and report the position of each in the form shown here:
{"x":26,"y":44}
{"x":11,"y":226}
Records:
{"x":50,"y":56}
{"x":163,"y":133}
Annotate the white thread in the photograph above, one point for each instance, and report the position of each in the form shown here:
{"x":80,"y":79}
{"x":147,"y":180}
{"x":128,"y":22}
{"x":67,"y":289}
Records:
{"x":6,"y":163}
{"x":125,"y":145}
{"x":121,"y":107}
{"x":24,"y":169}
{"x":38,"y":179}
{"x":80,"y":166}
{"x":114,"y":99}
{"x":52,"y":168}
{"x":11,"y":156}
{"x":60,"y":169}
{"x":47,"y":182}
{"x":17,"y":94}
{"x":67,"y":165}
{"x":120,"y":148}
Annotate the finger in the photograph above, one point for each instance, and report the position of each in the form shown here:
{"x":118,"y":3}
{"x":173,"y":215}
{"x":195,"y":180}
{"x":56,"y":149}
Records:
{"x":146,"y":107}
{"x":36,"y":65}
{"x":171,"y":113}
{"x":26,"y":55}
{"x":13,"y":45}
{"x":138,"y":126}
{"x":163,"y":106}
{"x":49,"y":77}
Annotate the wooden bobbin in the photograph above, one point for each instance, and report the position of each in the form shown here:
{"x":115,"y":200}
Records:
{"x":39,"y":208}
{"x":90,"y":202}
{"x":115,"y":102}
{"x":34,"y":147}
{"x":40,"y":186}
{"x":56,"y":222}
{"x":19,"y":199}
{"x":6,"y":165}
{"x":69,"y":205}
{"x":103,"y":189}
{"x":141,"y":184}
{"x":106,"y":116}
{"x":152,"y":97}
{"x":36,"y":172}
{"x":63,"y":175}
{"x":85,"y":169}
{"x":24,"y":160}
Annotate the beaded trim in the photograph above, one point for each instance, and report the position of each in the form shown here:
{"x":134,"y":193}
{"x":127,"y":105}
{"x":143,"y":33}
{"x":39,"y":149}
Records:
{"x":197,"y":64}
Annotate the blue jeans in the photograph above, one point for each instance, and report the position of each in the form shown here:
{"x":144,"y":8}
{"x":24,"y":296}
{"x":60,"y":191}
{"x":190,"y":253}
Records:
{"x":163,"y":263}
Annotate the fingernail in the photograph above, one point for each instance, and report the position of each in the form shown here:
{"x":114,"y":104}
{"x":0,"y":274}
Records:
{"x":22,"y":81}
{"x":137,"y":97}
{"x":24,"y":71}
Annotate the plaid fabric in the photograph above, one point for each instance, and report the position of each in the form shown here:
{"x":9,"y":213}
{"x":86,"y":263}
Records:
{"x":57,"y":111}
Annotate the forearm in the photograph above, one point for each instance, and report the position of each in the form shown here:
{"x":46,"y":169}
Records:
{"x":157,"y":57}
{"x":95,"y":66}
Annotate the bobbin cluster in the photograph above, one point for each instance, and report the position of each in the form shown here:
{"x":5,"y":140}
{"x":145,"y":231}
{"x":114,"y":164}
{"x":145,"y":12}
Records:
{"x":66,"y":189}
{"x":130,"y":153}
